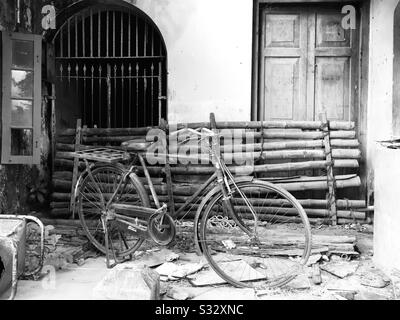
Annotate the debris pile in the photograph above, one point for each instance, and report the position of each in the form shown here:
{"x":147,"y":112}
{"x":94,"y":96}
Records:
{"x":64,"y":244}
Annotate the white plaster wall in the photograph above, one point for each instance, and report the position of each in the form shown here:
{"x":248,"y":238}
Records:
{"x":387,"y":215}
{"x":209,"y":44}
{"x":384,"y":162}
{"x":380,"y":98}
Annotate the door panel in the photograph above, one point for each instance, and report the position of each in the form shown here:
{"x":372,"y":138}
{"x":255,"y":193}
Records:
{"x":282,"y":30}
{"x":284,"y":71}
{"x":332,"y":87}
{"x":282,"y":88}
{"x":330,"y":32}
{"x":309,"y":64}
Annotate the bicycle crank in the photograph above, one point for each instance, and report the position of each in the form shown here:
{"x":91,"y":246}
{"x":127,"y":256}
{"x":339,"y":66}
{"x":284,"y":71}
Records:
{"x":161,"y":229}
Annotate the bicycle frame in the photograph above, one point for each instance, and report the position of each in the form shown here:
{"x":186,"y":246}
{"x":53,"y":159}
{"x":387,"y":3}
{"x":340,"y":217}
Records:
{"x":137,"y":218}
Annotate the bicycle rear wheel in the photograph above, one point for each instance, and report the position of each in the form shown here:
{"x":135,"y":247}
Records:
{"x":265,"y":244}
{"x":94,"y":193}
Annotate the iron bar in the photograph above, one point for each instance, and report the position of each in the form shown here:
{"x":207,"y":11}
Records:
{"x":91,"y":32}
{"x":83,"y":37}
{"x":99,"y":35}
{"x":152,"y":42}
{"x":107,"y":35}
{"x":145,"y":40}
{"x":112,"y":77}
{"x":144,"y":97}
{"x":129,"y":34}
{"x":108,"y":96}
{"x":122,"y":89}
{"x":113,"y":33}
{"x":137,"y":95}
{"x":137,"y":37}
{"x":92,"y":95}
{"x":100,"y":102}
{"x":152,"y":95}
{"x":69,"y":37}
{"x":76,"y":36}
{"x":77,"y":81}
{"x":115,"y":96}
{"x":130,"y":93}
{"x":122,"y":35}
{"x":62,"y":41}
{"x":119,"y":58}
{"x":84,"y":94}
{"x":160,"y":89}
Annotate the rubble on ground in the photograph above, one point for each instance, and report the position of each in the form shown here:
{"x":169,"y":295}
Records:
{"x":339,"y":268}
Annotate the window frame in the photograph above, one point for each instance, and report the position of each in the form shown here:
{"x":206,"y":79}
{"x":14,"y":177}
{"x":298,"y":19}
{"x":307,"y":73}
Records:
{"x":7,"y":54}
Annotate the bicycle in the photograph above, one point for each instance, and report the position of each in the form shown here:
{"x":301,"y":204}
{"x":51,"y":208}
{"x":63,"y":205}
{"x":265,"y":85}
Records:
{"x":237,"y":225}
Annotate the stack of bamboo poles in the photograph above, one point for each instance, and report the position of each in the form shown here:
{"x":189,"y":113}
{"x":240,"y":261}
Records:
{"x":290,"y":154}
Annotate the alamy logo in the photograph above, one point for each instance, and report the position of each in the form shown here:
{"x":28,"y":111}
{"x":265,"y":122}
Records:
{"x":349,"y":21}
{"x":49,"y":18}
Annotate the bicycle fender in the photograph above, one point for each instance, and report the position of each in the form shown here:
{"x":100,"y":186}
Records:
{"x":203,"y":203}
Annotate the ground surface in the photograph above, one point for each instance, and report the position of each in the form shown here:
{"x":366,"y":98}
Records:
{"x":361,"y":280}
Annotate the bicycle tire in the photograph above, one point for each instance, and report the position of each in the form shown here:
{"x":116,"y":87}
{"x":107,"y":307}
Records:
{"x":212,"y":234}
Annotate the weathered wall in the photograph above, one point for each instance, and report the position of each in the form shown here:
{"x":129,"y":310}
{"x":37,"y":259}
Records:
{"x":387,"y":214}
{"x":380,"y":72}
{"x":209,"y":46}
{"x":384,"y":162}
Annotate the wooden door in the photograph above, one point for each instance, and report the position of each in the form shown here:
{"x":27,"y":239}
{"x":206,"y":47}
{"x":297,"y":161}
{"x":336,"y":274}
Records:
{"x":309,"y":64}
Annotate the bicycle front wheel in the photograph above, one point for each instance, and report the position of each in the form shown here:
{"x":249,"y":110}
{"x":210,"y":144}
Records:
{"x":263,"y":242}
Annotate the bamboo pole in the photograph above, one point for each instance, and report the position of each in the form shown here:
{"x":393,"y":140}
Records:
{"x":248,"y":156}
{"x":248,"y":170}
{"x":302,"y":135}
{"x":269,"y":146}
{"x":114,"y":139}
{"x":109,"y":132}
{"x":306,"y":125}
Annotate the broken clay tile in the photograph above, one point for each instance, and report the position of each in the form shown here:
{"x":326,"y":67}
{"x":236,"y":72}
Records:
{"x":314,"y":259}
{"x":172,"y":271}
{"x":178,"y":294}
{"x":341,"y":269}
{"x":374,"y":279}
{"x":210,"y":277}
{"x":301,"y":282}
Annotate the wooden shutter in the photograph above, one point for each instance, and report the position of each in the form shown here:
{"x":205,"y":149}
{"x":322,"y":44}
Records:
{"x":309,"y":64}
{"x":21,"y":103}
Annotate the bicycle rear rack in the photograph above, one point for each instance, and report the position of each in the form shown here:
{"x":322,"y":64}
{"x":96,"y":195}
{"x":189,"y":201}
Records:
{"x":105,"y":155}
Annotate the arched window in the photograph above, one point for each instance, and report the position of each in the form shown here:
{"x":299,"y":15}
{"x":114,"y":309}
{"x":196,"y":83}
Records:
{"x":110,"y":63}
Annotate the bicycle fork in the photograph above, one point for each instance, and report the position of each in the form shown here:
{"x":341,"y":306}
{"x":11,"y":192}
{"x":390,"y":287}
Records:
{"x":228,"y":205}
